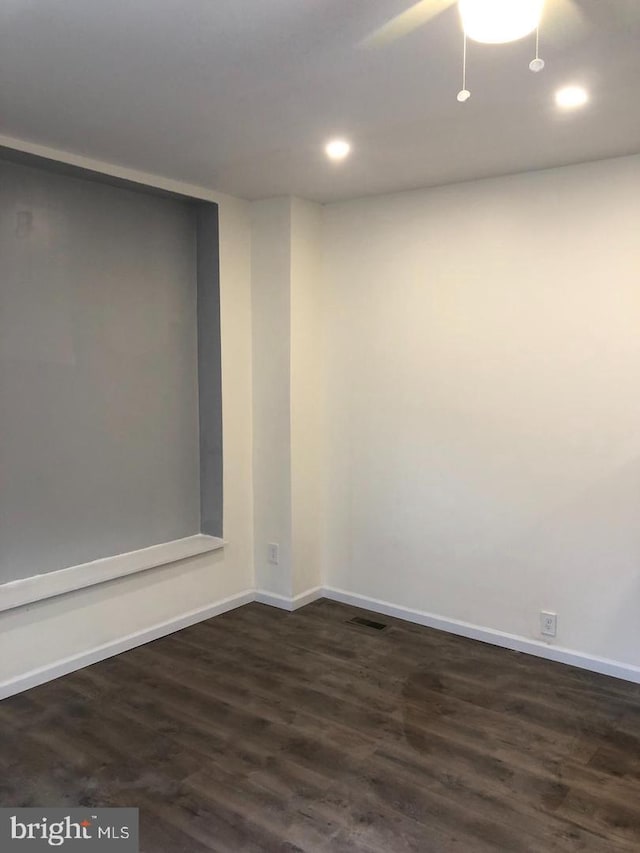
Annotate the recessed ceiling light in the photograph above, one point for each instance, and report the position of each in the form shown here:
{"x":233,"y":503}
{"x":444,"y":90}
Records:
{"x":337,"y":149}
{"x":571,"y":97}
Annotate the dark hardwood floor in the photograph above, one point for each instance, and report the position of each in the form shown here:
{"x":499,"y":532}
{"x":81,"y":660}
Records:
{"x":262,"y":730}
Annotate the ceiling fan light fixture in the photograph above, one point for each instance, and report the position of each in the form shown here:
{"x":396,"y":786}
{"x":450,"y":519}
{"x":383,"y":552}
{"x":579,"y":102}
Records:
{"x":499,"y":21}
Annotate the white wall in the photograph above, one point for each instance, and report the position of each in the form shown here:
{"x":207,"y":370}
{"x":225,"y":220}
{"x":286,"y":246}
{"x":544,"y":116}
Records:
{"x":482,"y":372}
{"x":40,"y":635}
{"x":307,"y":396}
{"x":287,"y":352}
{"x":271,"y":309}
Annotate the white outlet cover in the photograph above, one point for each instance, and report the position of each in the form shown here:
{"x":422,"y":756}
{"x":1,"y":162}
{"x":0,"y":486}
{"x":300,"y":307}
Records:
{"x":548,"y":623}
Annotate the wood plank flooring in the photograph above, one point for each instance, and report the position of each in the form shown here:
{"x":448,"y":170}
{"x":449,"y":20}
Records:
{"x":262,"y":730}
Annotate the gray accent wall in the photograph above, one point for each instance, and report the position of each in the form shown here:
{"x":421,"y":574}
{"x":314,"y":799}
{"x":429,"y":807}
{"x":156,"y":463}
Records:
{"x":100,"y":422}
{"x":209,"y":370}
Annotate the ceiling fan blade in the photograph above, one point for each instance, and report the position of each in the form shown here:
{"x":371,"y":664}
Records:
{"x":406,"y":22}
{"x":563,"y":21}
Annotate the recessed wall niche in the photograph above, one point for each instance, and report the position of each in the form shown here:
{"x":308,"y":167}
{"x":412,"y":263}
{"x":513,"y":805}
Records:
{"x":110,"y":386}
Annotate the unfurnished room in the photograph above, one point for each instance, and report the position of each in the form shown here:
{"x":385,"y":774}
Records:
{"x":320,"y":426}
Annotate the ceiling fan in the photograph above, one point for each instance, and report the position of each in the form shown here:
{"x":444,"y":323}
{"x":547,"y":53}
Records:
{"x":502,"y":21}
{"x":562,"y":19}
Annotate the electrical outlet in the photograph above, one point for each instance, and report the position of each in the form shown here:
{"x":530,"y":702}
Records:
{"x":274,"y":553}
{"x":548,"y":623}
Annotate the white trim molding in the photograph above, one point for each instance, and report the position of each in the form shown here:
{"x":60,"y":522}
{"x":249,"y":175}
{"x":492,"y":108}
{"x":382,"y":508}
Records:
{"x":70,"y":664}
{"x":27,"y":590}
{"x":114,"y":170}
{"x":63,"y":667}
{"x":27,"y":680}
{"x":290,"y":604}
{"x":604,"y":666}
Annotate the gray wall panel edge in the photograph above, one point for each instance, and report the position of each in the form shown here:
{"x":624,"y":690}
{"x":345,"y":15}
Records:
{"x":209,"y":369}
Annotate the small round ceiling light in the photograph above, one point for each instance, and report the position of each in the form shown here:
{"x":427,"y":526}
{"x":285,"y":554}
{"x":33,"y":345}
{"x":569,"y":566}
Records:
{"x":337,"y":149}
{"x":499,"y":21}
{"x":571,"y":97}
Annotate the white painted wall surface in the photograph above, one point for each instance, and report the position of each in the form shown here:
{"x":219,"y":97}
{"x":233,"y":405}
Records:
{"x":271,"y":308}
{"x":307,"y":397}
{"x":288,"y":405}
{"x":42,"y":634}
{"x":482,"y":372}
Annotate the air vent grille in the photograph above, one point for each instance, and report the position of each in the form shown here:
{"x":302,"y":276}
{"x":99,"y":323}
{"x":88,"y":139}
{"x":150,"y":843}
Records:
{"x":361,"y":622}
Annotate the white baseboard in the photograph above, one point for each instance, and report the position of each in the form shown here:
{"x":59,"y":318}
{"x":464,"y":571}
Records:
{"x":290,"y":604}
{"x":70,"y":664}
{"x":124,"y":644}
{"x":616,"y":669}
{"x":307,"y":597}
{"x":627,"y":672}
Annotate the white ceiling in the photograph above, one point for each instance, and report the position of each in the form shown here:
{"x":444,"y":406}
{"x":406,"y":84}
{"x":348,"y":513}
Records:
{"x":240,"y":95}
